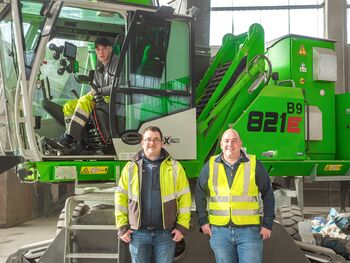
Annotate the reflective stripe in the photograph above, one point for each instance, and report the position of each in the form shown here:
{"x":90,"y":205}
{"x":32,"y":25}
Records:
{"x":185,"y":210}
{"x":216,"y":177}
{"x":244,"y":199}
{"x":169,"y":197}
{"x":233,"y":199}
{"x":246,"y":176}
{"x":131,"y":174}
{"x":183,"y":191}
{"x":133,"y":198}
{"x":219,"y":199}
{"x":82,"y":112}
{"x":121,"y":190}
{"x":245,"y":212}
{"x":174,"y":172}
{"x":175,"y":167}
{"x":139,"y":164}
{"x":92,"y":92}
{"x":219,"y":212}
{"x":131,"y":170}
{"x":81,"y":116}
{"x":78,"y":120}
{"x":121,"y":208}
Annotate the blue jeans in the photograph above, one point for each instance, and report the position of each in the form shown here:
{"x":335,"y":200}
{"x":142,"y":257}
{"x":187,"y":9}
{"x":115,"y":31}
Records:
{"x":236,"y":244}
{"x":157,"y":243}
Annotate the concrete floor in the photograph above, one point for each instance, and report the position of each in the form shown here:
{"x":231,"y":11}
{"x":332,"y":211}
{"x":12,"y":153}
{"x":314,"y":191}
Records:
{"x":33,"y":231}
{"x":44,"y":228}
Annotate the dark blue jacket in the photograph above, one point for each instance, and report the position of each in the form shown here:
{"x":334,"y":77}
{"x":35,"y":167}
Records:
{"x":151,"y":200}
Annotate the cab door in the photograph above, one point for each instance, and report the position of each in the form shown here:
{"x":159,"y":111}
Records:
{"x":154,"y":86}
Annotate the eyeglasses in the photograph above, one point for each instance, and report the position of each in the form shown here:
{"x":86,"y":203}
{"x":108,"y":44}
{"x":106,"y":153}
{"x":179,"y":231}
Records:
{"x":154,"y":140}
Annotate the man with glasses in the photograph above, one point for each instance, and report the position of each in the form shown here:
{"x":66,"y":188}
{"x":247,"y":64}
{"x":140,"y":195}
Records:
{"x":232,"y":180}
{"x":152,"y":202}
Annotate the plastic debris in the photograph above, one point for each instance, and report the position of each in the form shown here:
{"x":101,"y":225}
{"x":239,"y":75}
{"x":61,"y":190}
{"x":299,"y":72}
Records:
{"x":335,"y":225}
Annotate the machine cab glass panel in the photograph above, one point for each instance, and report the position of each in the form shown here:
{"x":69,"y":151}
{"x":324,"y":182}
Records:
{"x":154,"y":80}
{"x":68,"y":54}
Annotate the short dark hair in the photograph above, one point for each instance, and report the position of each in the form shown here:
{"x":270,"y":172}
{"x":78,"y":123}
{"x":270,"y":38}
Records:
{"x":102,"y":41}
{"x":153,"y":129}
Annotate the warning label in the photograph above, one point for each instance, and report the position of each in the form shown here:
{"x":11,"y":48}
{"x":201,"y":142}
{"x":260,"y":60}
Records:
{"x":302,"y":51}
{"x":333,"y":167}
{"x":94,"y":170}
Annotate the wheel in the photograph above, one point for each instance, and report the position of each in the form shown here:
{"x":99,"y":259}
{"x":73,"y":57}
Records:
{"x":180,"y":248}
{"x":80,"y":210}
{"x":289,"y":217}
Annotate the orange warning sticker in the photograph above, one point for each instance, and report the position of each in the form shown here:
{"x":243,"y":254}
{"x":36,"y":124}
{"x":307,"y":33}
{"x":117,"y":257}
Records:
{"x":302,"y":51}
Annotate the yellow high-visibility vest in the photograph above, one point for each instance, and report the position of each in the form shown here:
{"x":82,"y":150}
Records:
{"x":238,"y":203}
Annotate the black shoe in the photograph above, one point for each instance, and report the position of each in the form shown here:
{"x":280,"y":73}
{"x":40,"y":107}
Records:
{"x":61,"y":144}
{"x":64,"y":141}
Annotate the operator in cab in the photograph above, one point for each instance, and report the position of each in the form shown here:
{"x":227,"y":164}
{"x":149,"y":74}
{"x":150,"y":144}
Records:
{"x":77,"y":112}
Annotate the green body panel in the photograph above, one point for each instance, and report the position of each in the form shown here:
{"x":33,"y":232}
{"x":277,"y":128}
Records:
{"x":46,"y":171}
{"x":343,"y":125}
{"x":271,"y":127}
{"x":85,"y":170}
{"x":292,"y":58}
{"x":307,"y":168}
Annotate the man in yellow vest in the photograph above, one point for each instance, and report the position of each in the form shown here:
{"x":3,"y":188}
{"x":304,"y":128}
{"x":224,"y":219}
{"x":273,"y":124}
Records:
{"x":152,"y":202}
{"x":232,"y":181}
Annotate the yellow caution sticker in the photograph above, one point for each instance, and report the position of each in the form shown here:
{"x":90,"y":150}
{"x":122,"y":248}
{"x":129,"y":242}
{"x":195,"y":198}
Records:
{"x":94,"y":170}
{"x":333,"y":167}
{"x":302,"y":51}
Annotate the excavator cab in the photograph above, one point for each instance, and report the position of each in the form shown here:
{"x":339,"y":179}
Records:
{"x":152,"y":85}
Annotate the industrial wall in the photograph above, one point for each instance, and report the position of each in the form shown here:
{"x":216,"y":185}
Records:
{"x":335,"y":28}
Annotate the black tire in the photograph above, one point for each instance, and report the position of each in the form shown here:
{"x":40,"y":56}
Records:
{"x":80,"y":210}
{"x":289,"y":217}
{"x":180,"y":248}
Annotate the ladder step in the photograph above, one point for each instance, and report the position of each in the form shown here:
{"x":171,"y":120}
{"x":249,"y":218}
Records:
{"x":206,"y":96}
{"x":92,"y":227}
{"x":227,"y":64}
{"x":93,"y":255}
{"x":214,"y":82}
{"x":221,"y":71}
{"x":211,"y":89}
{"x":217,"y":79}
{"x":211,"y":86}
